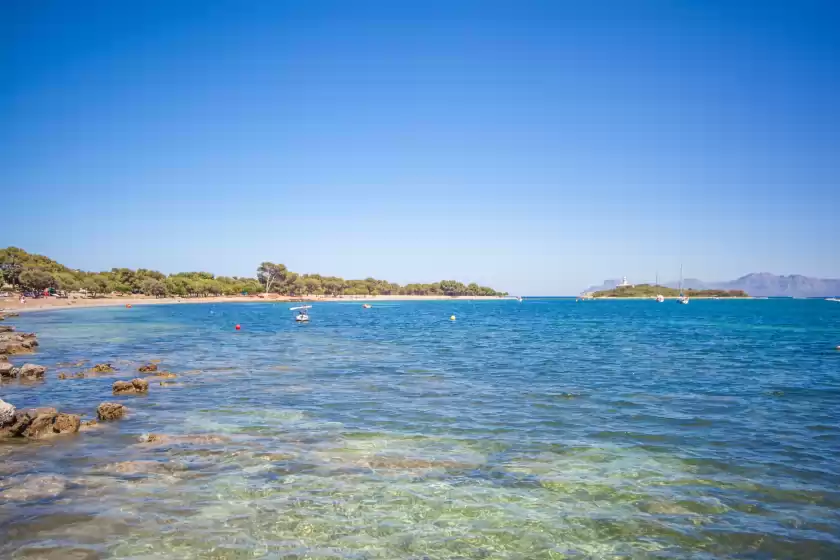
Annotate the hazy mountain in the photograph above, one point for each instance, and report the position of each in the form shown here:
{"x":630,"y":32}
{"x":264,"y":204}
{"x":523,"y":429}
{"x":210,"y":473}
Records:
{"x":759,"y":284}
{"x":795,"y":285}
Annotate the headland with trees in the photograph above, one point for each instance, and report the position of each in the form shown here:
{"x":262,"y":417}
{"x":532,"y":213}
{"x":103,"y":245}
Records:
{"x":651,"y":291}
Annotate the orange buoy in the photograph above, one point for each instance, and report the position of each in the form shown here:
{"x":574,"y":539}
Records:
{"x":238,"y":327}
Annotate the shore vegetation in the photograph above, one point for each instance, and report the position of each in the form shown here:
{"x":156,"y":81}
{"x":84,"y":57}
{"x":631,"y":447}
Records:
{"x":27,"y":272}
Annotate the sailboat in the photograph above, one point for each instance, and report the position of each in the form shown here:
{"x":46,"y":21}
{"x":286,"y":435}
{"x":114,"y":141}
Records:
{"x":683,"y":298}
{"x":659,"y":297}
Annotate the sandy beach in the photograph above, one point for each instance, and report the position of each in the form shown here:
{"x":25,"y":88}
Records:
{"x":12,"y":303}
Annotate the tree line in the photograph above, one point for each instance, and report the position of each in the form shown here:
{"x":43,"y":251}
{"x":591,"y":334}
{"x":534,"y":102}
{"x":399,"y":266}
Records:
{"x":30,"y":272}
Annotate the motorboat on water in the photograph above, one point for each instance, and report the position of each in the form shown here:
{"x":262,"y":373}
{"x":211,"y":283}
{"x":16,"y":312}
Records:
{"x":302,"y":316}
{"x":660,"y":298}
{"x":366,"y":306}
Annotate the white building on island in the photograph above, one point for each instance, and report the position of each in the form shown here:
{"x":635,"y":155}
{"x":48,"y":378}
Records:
{"x":624,"y":283}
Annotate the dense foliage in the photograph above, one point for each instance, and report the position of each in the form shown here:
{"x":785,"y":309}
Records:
{"x":30,"y":272}
{"x":651,"y":291}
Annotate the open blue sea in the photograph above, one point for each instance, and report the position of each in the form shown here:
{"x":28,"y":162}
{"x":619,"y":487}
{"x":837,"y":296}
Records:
{"x":546,"y":429}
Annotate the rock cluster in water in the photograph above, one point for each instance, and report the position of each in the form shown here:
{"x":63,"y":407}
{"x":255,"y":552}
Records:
{"x":128,"y":387}
{"x":27,"y":372}
{"x":40,"y":423}
{"x":12,"y":343}
{"x":35,"y":423}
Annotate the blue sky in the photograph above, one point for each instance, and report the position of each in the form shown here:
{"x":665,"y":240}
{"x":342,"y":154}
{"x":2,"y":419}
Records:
{"x":538,"y":147}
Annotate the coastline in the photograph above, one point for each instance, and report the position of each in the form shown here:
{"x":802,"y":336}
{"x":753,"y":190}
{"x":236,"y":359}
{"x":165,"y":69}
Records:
{"x":58,"y":304}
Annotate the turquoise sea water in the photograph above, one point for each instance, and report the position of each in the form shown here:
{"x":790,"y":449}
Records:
{"x":547,"y":429}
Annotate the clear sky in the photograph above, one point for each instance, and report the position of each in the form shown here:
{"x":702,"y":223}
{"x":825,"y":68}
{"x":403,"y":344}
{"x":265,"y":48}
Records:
{"x":538,"y":147}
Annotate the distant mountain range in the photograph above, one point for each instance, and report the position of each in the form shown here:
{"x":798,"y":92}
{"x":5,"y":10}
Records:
{"x":759,"y":284}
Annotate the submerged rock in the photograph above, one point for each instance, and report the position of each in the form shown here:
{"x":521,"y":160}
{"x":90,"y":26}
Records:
{"x":189,"y":439}
{"x":102,"y":368}
{"x":31,"y":372}
{"x":147,"y":368}
{"x":140,"y":467}
{"x":80,"y":363}
{"x":33,"y":487}
{"x":110,"y":411}
{"x":88,"y":426}
{"x":170,"y":384}
{"x":128,"y":387}
{"x":6,"y":328}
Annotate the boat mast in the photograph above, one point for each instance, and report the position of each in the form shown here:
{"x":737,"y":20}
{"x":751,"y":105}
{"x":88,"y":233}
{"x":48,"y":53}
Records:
{"x":681,"y":292}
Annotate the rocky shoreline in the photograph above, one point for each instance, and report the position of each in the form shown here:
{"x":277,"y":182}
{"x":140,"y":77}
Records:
{"x":47,"y":422}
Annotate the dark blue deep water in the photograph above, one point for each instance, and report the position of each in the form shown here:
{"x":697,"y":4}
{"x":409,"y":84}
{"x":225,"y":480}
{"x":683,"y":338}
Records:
{"x":547,"y":429}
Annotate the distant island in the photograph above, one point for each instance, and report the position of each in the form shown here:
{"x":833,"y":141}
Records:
{"x":651,"y":291}
{"x":26,"y":272}
{"x":757,"y":284}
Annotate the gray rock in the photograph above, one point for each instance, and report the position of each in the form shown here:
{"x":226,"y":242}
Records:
{"x":7,"y":413}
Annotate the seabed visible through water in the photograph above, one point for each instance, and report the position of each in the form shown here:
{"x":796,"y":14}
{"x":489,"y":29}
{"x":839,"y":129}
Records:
{"x":547,"y":429}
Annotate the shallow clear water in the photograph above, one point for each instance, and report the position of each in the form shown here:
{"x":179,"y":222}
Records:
{"x":546,"y":429}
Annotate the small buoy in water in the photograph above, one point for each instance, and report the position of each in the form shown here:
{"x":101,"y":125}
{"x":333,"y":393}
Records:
{"x":238,"y":327}
{"x":128,"y":305}
{"x":452,"y":318}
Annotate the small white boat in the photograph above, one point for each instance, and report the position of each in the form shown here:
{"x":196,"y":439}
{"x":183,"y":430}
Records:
{"x":683,"y":300}
{"x":301,"y":317}
{"x":366,"y":306}
{"x":519,"y":299}
{"x":660,"y":298}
